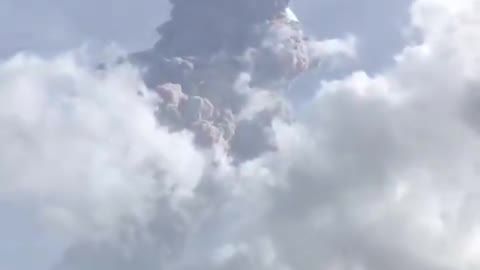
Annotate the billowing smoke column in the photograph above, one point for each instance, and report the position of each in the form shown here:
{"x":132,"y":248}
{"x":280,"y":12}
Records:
{"x":377,"y":172}
{"x":214,"y":58}
{"x":220,"y":70}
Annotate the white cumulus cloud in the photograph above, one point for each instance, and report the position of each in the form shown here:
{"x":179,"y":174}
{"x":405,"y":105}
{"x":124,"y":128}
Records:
{"x":379,"y":171}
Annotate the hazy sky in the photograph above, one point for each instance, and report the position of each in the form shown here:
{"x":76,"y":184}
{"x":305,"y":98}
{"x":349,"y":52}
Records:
{"x":380,"y":170}
{"x":48,"y":27}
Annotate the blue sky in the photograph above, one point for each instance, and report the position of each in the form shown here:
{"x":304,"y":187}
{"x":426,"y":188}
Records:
{"x":51,"y":26}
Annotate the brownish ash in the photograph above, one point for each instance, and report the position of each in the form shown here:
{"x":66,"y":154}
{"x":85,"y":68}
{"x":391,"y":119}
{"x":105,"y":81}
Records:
{"x":215,"y":61}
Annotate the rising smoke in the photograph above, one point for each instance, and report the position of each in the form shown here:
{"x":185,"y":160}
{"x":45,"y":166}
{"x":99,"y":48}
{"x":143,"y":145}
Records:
{"x":228,"y":90}
{"x":196,"y":162}
{"x":245,"y":52}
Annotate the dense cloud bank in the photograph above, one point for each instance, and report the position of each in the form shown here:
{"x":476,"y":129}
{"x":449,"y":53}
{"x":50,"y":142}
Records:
{"x":376,"y":172}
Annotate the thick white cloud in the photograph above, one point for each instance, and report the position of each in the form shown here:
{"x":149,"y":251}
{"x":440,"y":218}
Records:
{"x":82,"y":149}
{"x":379,"y":171}
{"x":382,"y":174}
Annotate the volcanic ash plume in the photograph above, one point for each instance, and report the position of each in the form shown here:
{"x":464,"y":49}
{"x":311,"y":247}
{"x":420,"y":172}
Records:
{"x":375,"y":172}
{"x":219,"y":70}
{"x":215,"y":57}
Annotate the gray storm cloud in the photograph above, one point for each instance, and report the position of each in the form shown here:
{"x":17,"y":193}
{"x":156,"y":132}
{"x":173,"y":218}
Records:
{"x":195,"y":161}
